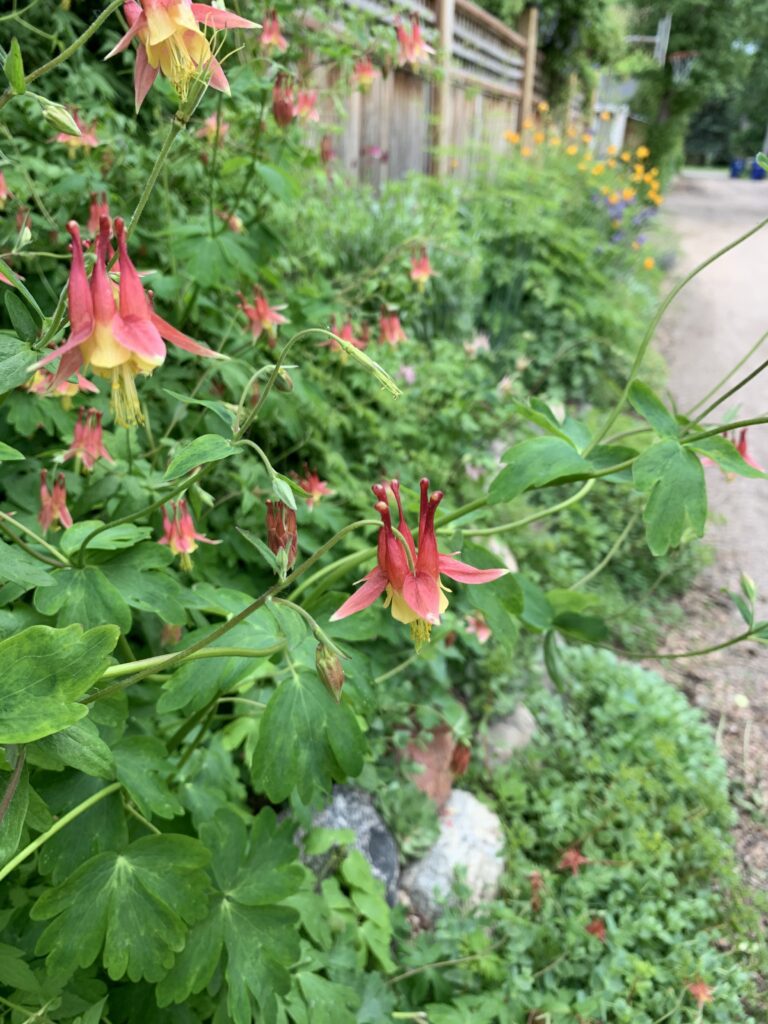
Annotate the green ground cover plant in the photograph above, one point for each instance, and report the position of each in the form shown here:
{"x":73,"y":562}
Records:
{"x":181,"y":529}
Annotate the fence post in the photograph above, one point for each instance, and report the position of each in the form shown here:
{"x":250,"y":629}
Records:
{"x":443,"y":93}
{"x":529,"y":27}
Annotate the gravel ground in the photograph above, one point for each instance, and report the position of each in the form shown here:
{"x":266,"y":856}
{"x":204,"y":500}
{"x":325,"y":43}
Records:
{"x":715,"y":320}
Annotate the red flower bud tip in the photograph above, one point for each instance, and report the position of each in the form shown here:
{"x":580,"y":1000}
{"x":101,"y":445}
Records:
{"x":282,"y":535}
{"x":408,"y":574}
{"x":596,"y":927}
{"x":330,"y":670}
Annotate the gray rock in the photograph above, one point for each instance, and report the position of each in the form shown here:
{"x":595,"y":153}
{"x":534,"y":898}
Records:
{"x":507,"y":735}
{"x":353,"y":808}
{"x":471,"y":839}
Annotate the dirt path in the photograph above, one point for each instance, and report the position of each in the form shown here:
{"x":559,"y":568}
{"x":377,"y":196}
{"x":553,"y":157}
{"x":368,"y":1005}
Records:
{"x":716,"y":319}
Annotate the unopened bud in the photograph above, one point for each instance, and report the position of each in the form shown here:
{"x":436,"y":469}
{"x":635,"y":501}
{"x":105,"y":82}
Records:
{"x":330,"y":670}
{"x":58,"y":117}
{"x":283,"y":381}
{"x":282,"y":535}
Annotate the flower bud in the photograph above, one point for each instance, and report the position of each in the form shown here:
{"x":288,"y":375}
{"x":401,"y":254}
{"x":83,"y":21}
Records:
{"x":460,"y":760}
{"x":282,"y":535}
{"x":330,"y":670}
{"x":58,"y":117}
{"x":283,"y":381}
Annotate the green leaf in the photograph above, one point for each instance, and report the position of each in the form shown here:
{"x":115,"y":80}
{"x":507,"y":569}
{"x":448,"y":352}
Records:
{"x":8,"y":454}
{"x":539,"y":412}
{"x":114,"y":538}
{"x":22,"y":320}
{"x":144,"y":769}
{"x":15,"y":813}
{"x":79,"y":746}
{"x":326,"y":742}
{"x":277,"y":181}
{"x":726,"y":455}
{"x":15,"y":359}
{"x":604,"y":456}
{"x":136,"y":905}
{"x":762,"y":160}
{"x":261,"y":547}
{"x":42,"y":673}
{"x":13,"y":970}
{"x":537,"y":611}
{"x":19,"y":567}
{"x":147,"y":587}
{"x":84,"y":596}
{"x":223,"y":411}
{"x":13,"y":66}
{"x":258,"y":942}
{"x":199,"y":452}
{"x":536,"y":462}
{"x":648,"y":404}
{"x":677,"y":506}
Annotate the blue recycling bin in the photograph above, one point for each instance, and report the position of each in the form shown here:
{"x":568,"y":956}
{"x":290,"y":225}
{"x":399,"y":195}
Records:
{"x":756,"y":172}
{"x":737,"y":167}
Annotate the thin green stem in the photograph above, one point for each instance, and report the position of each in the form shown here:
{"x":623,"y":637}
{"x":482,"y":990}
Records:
{"x":334,"y":568}
{"x":235,"y":620}
{"x":661,"y":656}
{"x":534,"y":516}
{"x":161,"y":660}
{"x":753,"y":421}
{"x":63,"y":821}
{"x":397,"y":669}
{"x":173,"y":130}
{"x":61,"y":559}
{"x":735,"y":369}
{"x":140,"y":817}
{"x":463,"y":510}
{"x":147,"y":510}
{"x":208,"y":712}
{"x":732,"y":391}
{"x":651,"y":330}
{"x":612,"y":551}
{"x":30,"y":551}
{"x":242,"y":700}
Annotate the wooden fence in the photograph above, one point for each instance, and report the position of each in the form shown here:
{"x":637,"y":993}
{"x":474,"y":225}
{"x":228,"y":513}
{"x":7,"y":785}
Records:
{"x":486,"y":83}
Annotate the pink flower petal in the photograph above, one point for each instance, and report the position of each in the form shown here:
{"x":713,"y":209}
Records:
{"x":212,"y":17}
{"x":140,"y":336}
{"x":125,"y":41}
{"x":180,"y":340}
{"x":463,"y":573}
{"x":422,"y":595}
{"x":143,"y":77}
{"x":374,"y":586}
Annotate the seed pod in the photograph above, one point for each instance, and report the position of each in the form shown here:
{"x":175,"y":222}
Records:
{"x":330,"y":670}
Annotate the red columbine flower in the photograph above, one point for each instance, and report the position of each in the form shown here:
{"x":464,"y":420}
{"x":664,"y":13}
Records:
{"x":262,"y":316}
{"x":53,"y":506}
{"x":596,"y":927}
{"x":211,"y":127}
{"x":421,"y":269}
{"x":171,"y":41}
{"x":312,"y":485}
{"x":114,"y":330}
{"x":283,"y":101}
{"x":179,"y":533}
{"x":390,"y":329}
{"x":271,"y":36}
{"x":88,"y":443}
{"x":741,"y":448}
{"x":44,"y":383}
{"x":413,"y":586}
{"x":85,"y":140}
{"x":701,"y":992}
{"x":306,"y":105}
{"x":572,"y":860}
{"x":460,"y":759}
{"x":412,"y":47}
{"x":476,"y":624}
{"x":364,"y":74}
{"x":282,"y":534}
